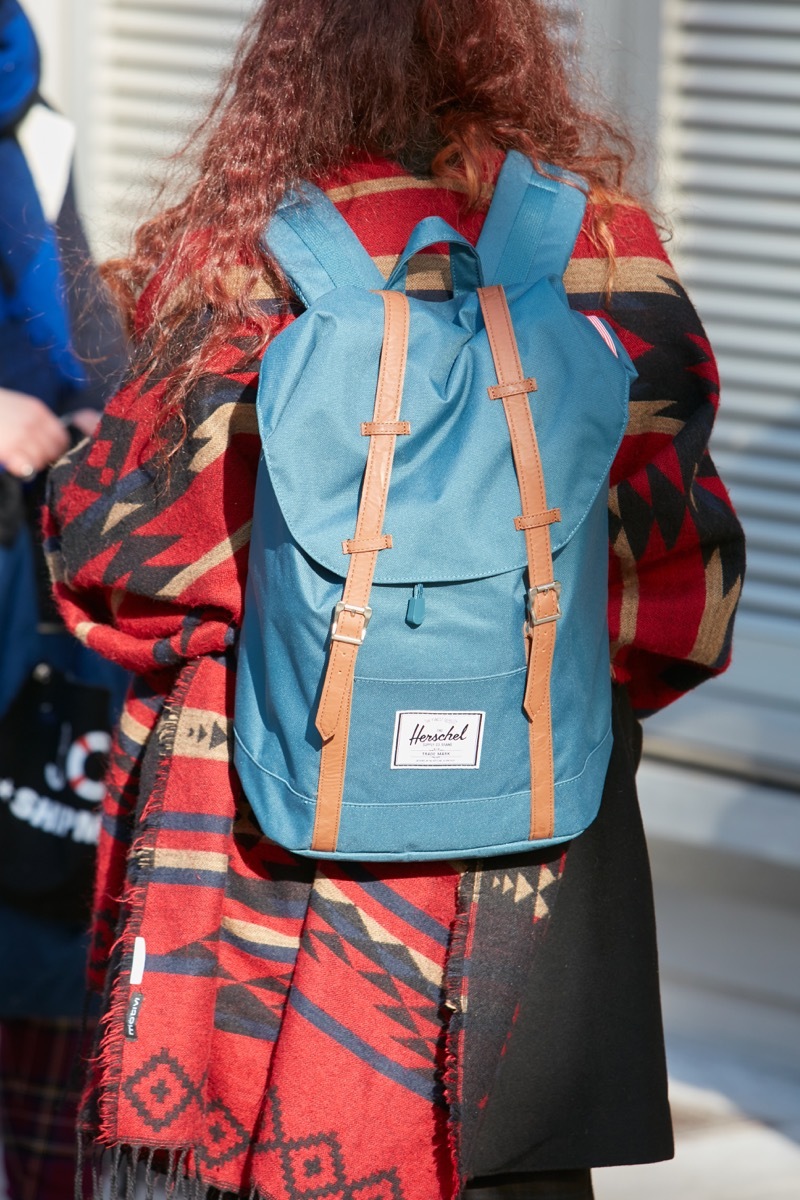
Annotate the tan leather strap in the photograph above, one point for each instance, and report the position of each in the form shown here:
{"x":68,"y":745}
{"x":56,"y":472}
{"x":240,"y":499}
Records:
{"x":533,"y":522}
{"x":500,"y":390}
{"x":373,"y":428}
{"x":353,"y":612}
{"x":351,"y":546}
{"x":544,"y":609}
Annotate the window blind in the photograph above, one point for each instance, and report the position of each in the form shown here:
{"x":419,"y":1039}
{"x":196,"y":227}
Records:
{"x":732,"y":103}
{"x":157,"y":63}
{"x":731,"y":151}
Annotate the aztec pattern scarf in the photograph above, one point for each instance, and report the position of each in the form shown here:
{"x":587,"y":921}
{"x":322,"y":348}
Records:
{"x":295,"y":1030}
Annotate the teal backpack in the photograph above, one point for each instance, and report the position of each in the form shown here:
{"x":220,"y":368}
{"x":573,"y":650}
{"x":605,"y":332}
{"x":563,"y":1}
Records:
{"x":423,"y":667}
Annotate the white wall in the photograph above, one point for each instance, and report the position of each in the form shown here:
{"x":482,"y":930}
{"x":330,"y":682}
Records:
{"x":51,"y":20}
{"x":622,"y":49}
{"x":65,"y":32}
{"x":63,"y":29}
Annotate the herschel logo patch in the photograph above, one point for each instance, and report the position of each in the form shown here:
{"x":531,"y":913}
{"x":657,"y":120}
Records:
{"x":437,"y":741}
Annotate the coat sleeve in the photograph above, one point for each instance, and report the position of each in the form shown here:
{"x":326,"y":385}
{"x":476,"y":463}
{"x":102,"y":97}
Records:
{"x":149,"y":555}
{"x":676,"y":547}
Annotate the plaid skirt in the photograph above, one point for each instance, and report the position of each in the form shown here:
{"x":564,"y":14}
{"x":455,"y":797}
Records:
{"x":40,"y":1071}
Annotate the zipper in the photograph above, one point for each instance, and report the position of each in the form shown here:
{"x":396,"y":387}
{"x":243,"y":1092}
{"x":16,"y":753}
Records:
{"x":415,"y":613}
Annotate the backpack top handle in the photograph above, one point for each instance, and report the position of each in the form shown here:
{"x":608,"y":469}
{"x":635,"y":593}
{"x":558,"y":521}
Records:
{"x":465,"y":263}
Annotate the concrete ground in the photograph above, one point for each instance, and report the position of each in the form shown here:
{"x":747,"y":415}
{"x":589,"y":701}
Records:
{"x":737,"y":1134}
{"x":725,"y":856}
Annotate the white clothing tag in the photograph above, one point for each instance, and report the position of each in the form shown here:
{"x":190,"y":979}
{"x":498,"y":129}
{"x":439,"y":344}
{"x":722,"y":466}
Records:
{"x":437,"y":741}
{"x":137,"y":966}
{"x":48,"y":140}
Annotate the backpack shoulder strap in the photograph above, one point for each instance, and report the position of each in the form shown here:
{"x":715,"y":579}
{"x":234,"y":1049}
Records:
{"x":316,"y":248}
{"x":532,"y":224}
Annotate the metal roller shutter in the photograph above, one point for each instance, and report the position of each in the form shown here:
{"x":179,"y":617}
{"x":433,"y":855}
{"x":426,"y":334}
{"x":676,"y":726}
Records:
{"x":732,"y":156}
{"x":157,"y":63}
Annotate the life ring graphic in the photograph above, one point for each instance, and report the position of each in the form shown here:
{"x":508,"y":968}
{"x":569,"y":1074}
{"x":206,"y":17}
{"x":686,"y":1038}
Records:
{"x":86,"y":764}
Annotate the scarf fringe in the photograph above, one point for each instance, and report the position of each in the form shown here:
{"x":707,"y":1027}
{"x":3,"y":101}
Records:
{"x":456,"y":993}
{"x":128,"y":1172}
{"x":106,"y":1064}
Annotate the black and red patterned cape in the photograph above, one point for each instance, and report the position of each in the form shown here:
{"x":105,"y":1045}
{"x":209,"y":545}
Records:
{"x":350,"y":1032}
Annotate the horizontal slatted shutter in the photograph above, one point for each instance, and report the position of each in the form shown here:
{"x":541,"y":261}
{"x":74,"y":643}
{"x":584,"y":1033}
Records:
{"x":733,"y":149}
{"x":157,"y":63}
{"x":732,"y":154}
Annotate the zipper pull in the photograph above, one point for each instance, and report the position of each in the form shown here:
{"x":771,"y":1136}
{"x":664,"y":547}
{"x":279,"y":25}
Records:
{"x":415,"y":613}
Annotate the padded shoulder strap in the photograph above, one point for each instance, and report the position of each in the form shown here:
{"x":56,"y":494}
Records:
{"x":316,"y":248}
{"x":532,"y":223}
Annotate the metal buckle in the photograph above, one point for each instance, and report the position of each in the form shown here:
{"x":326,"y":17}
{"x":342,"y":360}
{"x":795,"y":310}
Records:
{"x":340,"y":607}
{"x":533,"y":592}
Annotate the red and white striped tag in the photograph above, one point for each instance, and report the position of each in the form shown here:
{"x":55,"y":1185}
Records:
{"x":604,"y":334}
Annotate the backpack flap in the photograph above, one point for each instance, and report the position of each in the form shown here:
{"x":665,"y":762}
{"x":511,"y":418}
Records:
{"x":454,"y":492}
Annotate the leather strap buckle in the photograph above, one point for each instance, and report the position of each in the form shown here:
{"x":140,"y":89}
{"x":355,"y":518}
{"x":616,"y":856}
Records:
{"x":540,"y":590}
{"x":361,"y":611}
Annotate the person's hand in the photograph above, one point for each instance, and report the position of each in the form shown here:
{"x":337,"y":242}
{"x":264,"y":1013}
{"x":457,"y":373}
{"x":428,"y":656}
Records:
{"x":31,"y":438}
{"x":84,"y":419}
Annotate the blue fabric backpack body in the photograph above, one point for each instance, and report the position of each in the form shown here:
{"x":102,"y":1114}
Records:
{"x":461,"y":708}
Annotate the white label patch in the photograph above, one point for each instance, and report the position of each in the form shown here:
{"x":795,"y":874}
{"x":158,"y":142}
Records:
{"x":138,"y":961}
{"x":437,"y":741}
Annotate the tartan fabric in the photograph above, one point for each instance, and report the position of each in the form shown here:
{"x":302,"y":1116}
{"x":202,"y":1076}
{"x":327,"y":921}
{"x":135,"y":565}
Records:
{"x":289,"y":1035}
{"x":39,"y":1074}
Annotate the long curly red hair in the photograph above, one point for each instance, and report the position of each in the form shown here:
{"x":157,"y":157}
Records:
{"x":443,"y":86}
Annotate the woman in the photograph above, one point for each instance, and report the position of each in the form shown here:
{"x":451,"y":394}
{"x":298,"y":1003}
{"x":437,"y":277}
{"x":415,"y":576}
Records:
{"x":288,"y":1028}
